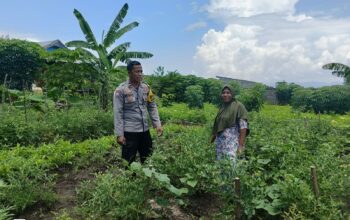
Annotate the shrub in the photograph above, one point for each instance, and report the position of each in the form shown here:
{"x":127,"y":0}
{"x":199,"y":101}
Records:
{"x":194,"y":96}
{"x":5,"y":214}
{"x":27,"y":171}
{"x":212,"y":90}
{"x":236,"y":87}
{"x":284,"y":92}
{"x":253,"y":98}
{"x":167,"y":99}
{"x":180,"y":113}
{"x":328,"y":99}
{"x":21,"y":60}
{"x":73,"y":124}
{"x":114,"y":197}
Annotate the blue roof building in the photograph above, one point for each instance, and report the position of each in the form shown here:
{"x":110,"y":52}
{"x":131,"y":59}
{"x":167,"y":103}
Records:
{"x":52,"y":45}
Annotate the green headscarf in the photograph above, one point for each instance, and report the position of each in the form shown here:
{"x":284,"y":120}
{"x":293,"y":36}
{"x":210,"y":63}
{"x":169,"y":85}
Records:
{"x":229,"y":113}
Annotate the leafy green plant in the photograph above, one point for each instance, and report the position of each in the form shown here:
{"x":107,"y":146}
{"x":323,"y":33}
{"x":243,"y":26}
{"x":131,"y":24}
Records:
{"x":180,"y":113}
{"x":194,"y":96}
{"x":274,"y":165}
{"x":162,"y":178}
{"x":27,"y":171}
{"x":274,"y":174}
{"x":330,"y":99}
{"x":167,"y":100}
{"x":21,"y":61}
{"x":115,"y":197}
{"x":63,"y":216}
{"x":27,"y":187}
{"x":175,"y":84}
{"x":253,"y":98}
{"x":284,"y":92}
{"x":236,"y":87}
{"x":37,"y":128}
{"x":104,"y":61}
{"x":65,"y":72}
{"x":339,"y":69}
{"x":5,"y":214}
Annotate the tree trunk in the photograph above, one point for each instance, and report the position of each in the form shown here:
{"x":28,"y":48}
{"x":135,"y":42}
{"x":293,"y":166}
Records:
{"x":104,"y":95}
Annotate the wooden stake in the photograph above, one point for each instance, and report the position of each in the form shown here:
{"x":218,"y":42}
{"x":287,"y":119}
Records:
{"x":25,"y":102}
{"x":314,"y":181}
{"x":3,"y":93}
{"x":238,"y":195}
{"x":305,"y":122}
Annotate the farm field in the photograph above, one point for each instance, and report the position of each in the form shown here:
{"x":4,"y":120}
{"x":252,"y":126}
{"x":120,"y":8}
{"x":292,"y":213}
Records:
{"x":81,"y":81}
{"x":85,"y":178}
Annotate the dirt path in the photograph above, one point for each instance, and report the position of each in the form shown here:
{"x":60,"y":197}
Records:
{"x":68,"y":179}
{"x":65,"y":188}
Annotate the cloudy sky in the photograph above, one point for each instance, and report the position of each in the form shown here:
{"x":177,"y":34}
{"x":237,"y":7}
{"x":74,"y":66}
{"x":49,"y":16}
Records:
{"x":260,"y":40}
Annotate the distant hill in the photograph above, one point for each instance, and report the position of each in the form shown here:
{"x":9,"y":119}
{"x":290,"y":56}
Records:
{"x":270,"y":95}
{"x":318,"y":84}
{"x":242,"y":83}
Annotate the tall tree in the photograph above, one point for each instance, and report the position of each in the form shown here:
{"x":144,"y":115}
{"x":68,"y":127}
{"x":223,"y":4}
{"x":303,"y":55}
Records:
{"x":20,"y":62}
{"x":65,"y":72}
{"x":105,"y":60}
{"x":340,"y":70}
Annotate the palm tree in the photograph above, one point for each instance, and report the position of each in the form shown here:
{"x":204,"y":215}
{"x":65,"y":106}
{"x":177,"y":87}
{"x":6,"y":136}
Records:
{"x":103,"y":59}
{"x":340,"y":70}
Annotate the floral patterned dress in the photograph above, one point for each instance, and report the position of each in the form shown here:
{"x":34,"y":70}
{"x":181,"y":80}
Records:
{"x":227,"y":142}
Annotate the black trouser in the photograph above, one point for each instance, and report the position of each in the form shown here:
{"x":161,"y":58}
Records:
{"x":137,"y":141}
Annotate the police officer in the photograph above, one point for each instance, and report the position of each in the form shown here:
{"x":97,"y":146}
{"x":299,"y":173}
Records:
{"x":131,"y":101}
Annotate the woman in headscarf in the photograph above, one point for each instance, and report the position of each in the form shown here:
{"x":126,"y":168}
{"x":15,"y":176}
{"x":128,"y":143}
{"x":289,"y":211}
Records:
{"x":230,"y":126}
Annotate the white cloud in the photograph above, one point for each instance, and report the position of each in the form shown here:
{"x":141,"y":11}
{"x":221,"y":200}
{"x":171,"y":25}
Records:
{"x":195,"y":26}
{"x":248,"y":8}
{"x":294,"y":53}
{"x":298,"y":18}
{"x":265,"y":41}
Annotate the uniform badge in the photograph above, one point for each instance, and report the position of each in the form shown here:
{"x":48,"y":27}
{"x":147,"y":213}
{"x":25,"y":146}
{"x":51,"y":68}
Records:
{"x":150,"y":96}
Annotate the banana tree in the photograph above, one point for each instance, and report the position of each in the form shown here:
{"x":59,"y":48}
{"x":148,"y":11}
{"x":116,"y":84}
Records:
{"x":104,"y":59}
{"x":340,"y":70}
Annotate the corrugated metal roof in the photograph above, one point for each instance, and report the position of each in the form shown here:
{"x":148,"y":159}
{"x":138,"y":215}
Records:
{"x":54,"y":43}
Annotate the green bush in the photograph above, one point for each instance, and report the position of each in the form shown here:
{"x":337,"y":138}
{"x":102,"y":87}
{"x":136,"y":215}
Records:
{"x":5,"y":211}
{"x":27,"y":171}
{"x":301,"y":99}
{"x":5,"y":214}
{"x":212,"y":90}
{"x":284,"y":92}
{"x":73,"y":124}
{"x":114,"y":197}
{"x":236,"y":87}
{"x":180,"y":113}
{"x":194,"y":96}
{"x":167,"y":100}
{"x":191,"y":158}
{"x":65,"y":73}
{"x":330,"y":99}
{"x":253,"y":98}
{"x":172,"y":172}
{"x":174,"y":83}
{"x":21,"y":61}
